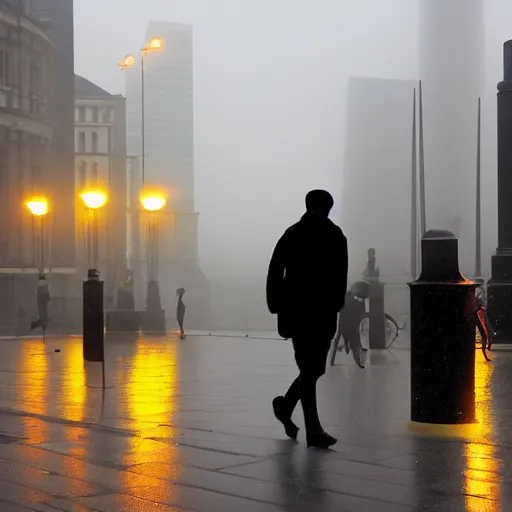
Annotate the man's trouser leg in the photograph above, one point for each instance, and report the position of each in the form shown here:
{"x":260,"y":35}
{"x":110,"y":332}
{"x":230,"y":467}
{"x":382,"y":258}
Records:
{"x":292,"y":397}
{"x":311,"y":357}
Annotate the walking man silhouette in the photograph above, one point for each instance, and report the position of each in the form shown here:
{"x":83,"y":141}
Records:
{"x":306,"y":287}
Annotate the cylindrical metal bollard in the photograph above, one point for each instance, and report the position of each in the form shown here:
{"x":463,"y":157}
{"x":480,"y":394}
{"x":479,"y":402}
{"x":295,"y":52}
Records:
{"x":377,"y":331}
{"x":442,"y":336}
{"x":93,"y":321}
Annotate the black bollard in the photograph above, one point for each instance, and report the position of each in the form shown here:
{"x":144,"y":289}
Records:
{"x":93,"y":322}
{"x":377,"y":334}
{"x":442,"y":336}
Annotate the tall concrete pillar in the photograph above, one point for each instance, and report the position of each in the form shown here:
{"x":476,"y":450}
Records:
{"x":451,"y":68}
{"x":500,"y":286}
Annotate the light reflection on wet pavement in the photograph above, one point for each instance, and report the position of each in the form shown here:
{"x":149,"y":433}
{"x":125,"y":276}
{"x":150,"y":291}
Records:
{"x":187,"y":425}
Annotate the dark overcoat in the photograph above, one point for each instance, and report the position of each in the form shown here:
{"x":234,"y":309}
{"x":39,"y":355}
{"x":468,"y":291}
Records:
{"x":307,"y":278}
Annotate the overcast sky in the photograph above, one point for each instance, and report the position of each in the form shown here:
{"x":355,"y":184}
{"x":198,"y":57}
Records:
{"x":270,"y":82}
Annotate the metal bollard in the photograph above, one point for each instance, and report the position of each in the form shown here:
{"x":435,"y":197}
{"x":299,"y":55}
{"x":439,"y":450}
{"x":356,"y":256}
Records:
{"x":377,"y":334}
{"x":442,"y":336}
{"x":93,"y":321}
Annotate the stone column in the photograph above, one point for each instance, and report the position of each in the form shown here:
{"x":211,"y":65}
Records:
{"x":500,"y":285}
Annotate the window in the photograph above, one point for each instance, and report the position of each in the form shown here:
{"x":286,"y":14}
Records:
{"x":81,"y":114}
{"x":35,"y":78}
{"x":107,"y":115}
{"x":81,"y":142}
{"x":94,"y":111}
{"x":82,"y":175}
{"x":4,"y":68}
{"x":94,"y":142}
{"x":95,"y":173}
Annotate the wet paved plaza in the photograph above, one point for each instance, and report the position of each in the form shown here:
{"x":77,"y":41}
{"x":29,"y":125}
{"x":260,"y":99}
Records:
{"x":188,"y":426}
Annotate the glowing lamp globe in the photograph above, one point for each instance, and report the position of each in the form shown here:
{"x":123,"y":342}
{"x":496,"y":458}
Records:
{"x":153,"y":203}
{"x":38,"y":207}
{"x":94,"y":199}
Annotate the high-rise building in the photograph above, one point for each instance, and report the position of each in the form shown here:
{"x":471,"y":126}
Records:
{"x":100,"y":161}
{"x":169,"y":113}
{"x":376,"y":189}
{"x":451,"y":69}
{"x":169,"y":159}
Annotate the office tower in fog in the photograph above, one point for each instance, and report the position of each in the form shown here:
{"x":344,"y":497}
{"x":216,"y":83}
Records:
{"x":376,"y":191}
{"x":169,"y":159}
{"x":451,"y":68}
{"x":169,"y":112}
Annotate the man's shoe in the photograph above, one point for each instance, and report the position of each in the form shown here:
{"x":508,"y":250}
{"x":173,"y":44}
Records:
{"x":281,"y":414}
{"x":321,"y":440}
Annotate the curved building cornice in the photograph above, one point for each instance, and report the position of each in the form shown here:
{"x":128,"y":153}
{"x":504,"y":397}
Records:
{"x":11,"y":18}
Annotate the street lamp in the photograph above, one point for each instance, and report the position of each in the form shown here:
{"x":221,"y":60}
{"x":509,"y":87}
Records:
{"x":93,"y":201}
{"x":153,"y":203}
{"x":38,"y":207}
{"x":93,"y":315}
{"x":155,"y":44}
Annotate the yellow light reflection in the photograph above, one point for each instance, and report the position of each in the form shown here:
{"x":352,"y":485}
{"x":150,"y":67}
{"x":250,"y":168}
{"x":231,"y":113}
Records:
{"x":482,"y":467}
{"x":32,"y":374}
{"x":73,"y":389}
{"x":151,"y":399}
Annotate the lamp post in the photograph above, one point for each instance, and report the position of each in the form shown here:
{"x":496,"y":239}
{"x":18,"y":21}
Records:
{"x":93,"y":316}
{"x":38,"y":207}
{"x":153,"y":203}
{"x":155,"y":45}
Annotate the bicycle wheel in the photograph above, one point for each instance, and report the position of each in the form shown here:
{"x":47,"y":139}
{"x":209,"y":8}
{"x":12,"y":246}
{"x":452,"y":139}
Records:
{"x":392,"y":330}
{"x":391,"y":327}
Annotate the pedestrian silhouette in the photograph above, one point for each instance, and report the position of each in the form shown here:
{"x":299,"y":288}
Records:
{"x":43,"y":299}
{"x":306,"y":286}
{"x":180,"y":312}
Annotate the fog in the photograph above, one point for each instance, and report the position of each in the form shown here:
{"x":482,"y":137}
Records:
{"x":271,"y":102}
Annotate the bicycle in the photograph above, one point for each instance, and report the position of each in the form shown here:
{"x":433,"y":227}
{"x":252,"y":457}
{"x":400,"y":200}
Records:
{"x":484,"y":330}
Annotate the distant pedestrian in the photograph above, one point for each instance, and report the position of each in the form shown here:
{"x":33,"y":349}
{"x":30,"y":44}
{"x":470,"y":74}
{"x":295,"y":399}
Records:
{"x":180,"y":312}
{"x":306,"y":286}
{"x":43,"y":299}
{"x":349,"y":322}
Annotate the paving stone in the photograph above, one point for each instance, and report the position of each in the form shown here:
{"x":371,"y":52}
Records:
{"x":63,"y":505}
{"x":189,"y":426}
{"x":123,"y":503}
{"x":296,"y":494}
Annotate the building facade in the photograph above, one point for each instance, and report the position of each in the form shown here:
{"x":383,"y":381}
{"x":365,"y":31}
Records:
{"x":100,"y":162}
{"x":27,"y":58}
{"x":169,"y":160}
{"x":36,"y":158}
